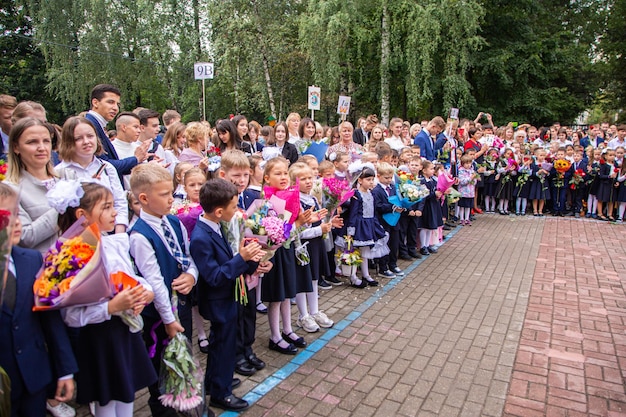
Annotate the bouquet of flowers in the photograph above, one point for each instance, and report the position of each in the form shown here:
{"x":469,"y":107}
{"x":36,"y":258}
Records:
{"x":6,"y":218}
{"x":268,"y":223}
{"x":577,"y":179}
{"x":336,"y":192}
{"x":73,"y":272}
{"x":181,"y":376}
{"x":302,"y":145}
{"x":444,"y":182}
{"x":3,"y":169}
{"x":561,"y":166}
{"x":409,"y":190}
{"x":350,"y":258}
{"x":522,"y":179}
{"x":212,"y":151}
{"x":453,"y":196}
{"x":188,"y":213}
{"x":121,"y":281}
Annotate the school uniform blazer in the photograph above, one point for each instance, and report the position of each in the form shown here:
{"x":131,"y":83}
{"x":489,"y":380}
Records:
{"x":34,"y":347}
{"x":426,"y":146}
{"x":290,"y":152}
{"x":382,"y":205}
{"x":217,"y":265}
{"x":358,"y":136}
{"x":248,"y":197}
{"x":123,"y":166}
{"x":581,"y":165}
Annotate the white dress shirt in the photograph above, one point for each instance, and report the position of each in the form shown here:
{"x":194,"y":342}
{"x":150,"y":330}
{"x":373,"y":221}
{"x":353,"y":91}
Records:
{"x":108,"y":178}
{"x":147,"y":264}
{"x":395,"y":143}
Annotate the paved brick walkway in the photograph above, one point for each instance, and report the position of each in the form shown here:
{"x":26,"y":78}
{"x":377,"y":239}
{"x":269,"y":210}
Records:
{"x":504,"y":320}
{"x":572,"y":355}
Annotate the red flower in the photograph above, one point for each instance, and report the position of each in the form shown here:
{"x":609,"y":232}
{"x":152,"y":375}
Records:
{"x":5,"y":219}
{"x":602,"y":161}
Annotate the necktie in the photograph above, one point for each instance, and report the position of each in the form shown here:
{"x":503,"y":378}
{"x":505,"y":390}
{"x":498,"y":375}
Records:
{"x":10,"y":291}
{"x":180,"y":257}
{"x":240,"y":201}
{"x":389,"y":190}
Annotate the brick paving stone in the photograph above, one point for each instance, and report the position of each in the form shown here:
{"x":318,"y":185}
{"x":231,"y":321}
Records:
{"x":575,"y":288}
{"x":504,"y":320}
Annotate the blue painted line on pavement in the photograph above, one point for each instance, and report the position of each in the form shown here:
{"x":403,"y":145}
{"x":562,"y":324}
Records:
{"x":283,"y":373}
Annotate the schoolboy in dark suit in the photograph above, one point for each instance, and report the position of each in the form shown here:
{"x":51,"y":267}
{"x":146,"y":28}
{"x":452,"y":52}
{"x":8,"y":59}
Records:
{"x":34,"y":347}
{"x":213,"y":255}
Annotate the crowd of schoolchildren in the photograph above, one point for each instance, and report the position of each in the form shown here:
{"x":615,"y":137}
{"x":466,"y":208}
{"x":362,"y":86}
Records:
{"x":126,"y":182}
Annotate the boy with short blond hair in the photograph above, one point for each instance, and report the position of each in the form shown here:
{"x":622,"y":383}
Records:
{"x":159,"y":245}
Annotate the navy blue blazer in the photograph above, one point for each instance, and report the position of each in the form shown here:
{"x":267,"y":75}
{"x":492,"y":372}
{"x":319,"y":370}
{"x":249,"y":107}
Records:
{"x":248,"y":197}
{"x":122,"y":166}
{"x":426,"y":148}
{"x":290,"y":152}
{"x":34,"y":347}
{"x":382,"y":204}
{"x":217,"y":265}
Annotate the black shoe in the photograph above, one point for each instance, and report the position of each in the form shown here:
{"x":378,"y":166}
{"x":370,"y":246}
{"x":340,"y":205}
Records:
{"x":405,"y":257}
{"x":203,"y":344}
{"x":289,"y":350}
{"x":446,"y":227}
{"x":424,"y":251}
{"x":371,"y":282}
{"x":415,"y":255}
{"x":321,"y":283}
{"x":363,"y":284}
{"x":334,"y":281}
{"x":432,"y":249}
{"x":231,"y":402}
{"x":299,"y":342}
{"x":244,"y":368}
{"x":256,"y":362}
{"x":236,"y":382}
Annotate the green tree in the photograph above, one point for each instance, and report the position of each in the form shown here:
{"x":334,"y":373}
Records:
{"x":22,"y":66}
{"x":613,"y":45}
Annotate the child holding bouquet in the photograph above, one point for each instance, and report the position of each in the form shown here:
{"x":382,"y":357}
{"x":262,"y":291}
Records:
{"x":593,"y":166}
{"x":578,"y":172}
{"x":467,"y":185}
{"x":221,"y":268}
{"x":522,"y":185}
{"x":160,"y":248}
{"x":539,"y":187}
{"x":606,"y":190}
{"x":368,"y":234}
{"x":429,"y":209}
{"x":506,"y":171}
{"x":112,"y":358}
{"x":311,"y":318}
{"x":46,"y":354}
{"x":282,"y":283}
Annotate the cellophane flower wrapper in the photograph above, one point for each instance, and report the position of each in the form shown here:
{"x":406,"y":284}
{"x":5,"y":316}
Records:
{"x":265,"y":222}
{"x":290,"y":198}
{"x":336,"y":192}
{"x":75,"y":276}
{"x":411,"y":194}
{"x":181,"y":380}
{"x":188,"y":214}
{"x":350,"y":256}
{"x":234,"y":232}
{"x":453,"y":196}
{"x":444,"y":182}
{"x":122,"y":281}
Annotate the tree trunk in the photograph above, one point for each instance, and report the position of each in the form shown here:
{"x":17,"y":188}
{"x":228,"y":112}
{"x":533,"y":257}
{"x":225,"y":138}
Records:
{"x":384,"y":65}
{"x":268,"y":79}
{"x":196,"y":24}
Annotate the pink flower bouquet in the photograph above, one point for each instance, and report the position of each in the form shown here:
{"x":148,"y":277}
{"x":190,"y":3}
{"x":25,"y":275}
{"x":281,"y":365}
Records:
{"x":188,"y":214}
{"x":336,"y":192}
{"x":266,"y":222}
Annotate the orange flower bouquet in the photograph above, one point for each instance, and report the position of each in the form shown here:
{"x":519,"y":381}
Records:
{"x":561,"y":166}
{"x":73,"y":272}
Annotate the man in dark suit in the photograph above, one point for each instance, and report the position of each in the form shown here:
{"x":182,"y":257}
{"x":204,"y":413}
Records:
{"x":426,"y":138}
{"x":105,"y":104}
{"x":34,"y":347}
{"x":210,"y":249}
{"x":361,"y":135}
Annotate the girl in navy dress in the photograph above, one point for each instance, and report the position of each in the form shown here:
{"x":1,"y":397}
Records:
{"x":363,"y":226}
{"x":112,"y":359}
{"x":285,"y":279}
{"x":505,"y":181}
{"x":621,"y":193}
{"x":593,"y":167}
{"x":429,"y":209}
{"x":489,"y":181}
{"x":606,"y":190}
{"x":310,"y":317}
{"x":521,"y":192}
{"x":539,"y":188}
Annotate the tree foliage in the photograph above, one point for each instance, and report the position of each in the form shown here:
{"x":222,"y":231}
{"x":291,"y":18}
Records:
{"x":523,"y":60}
